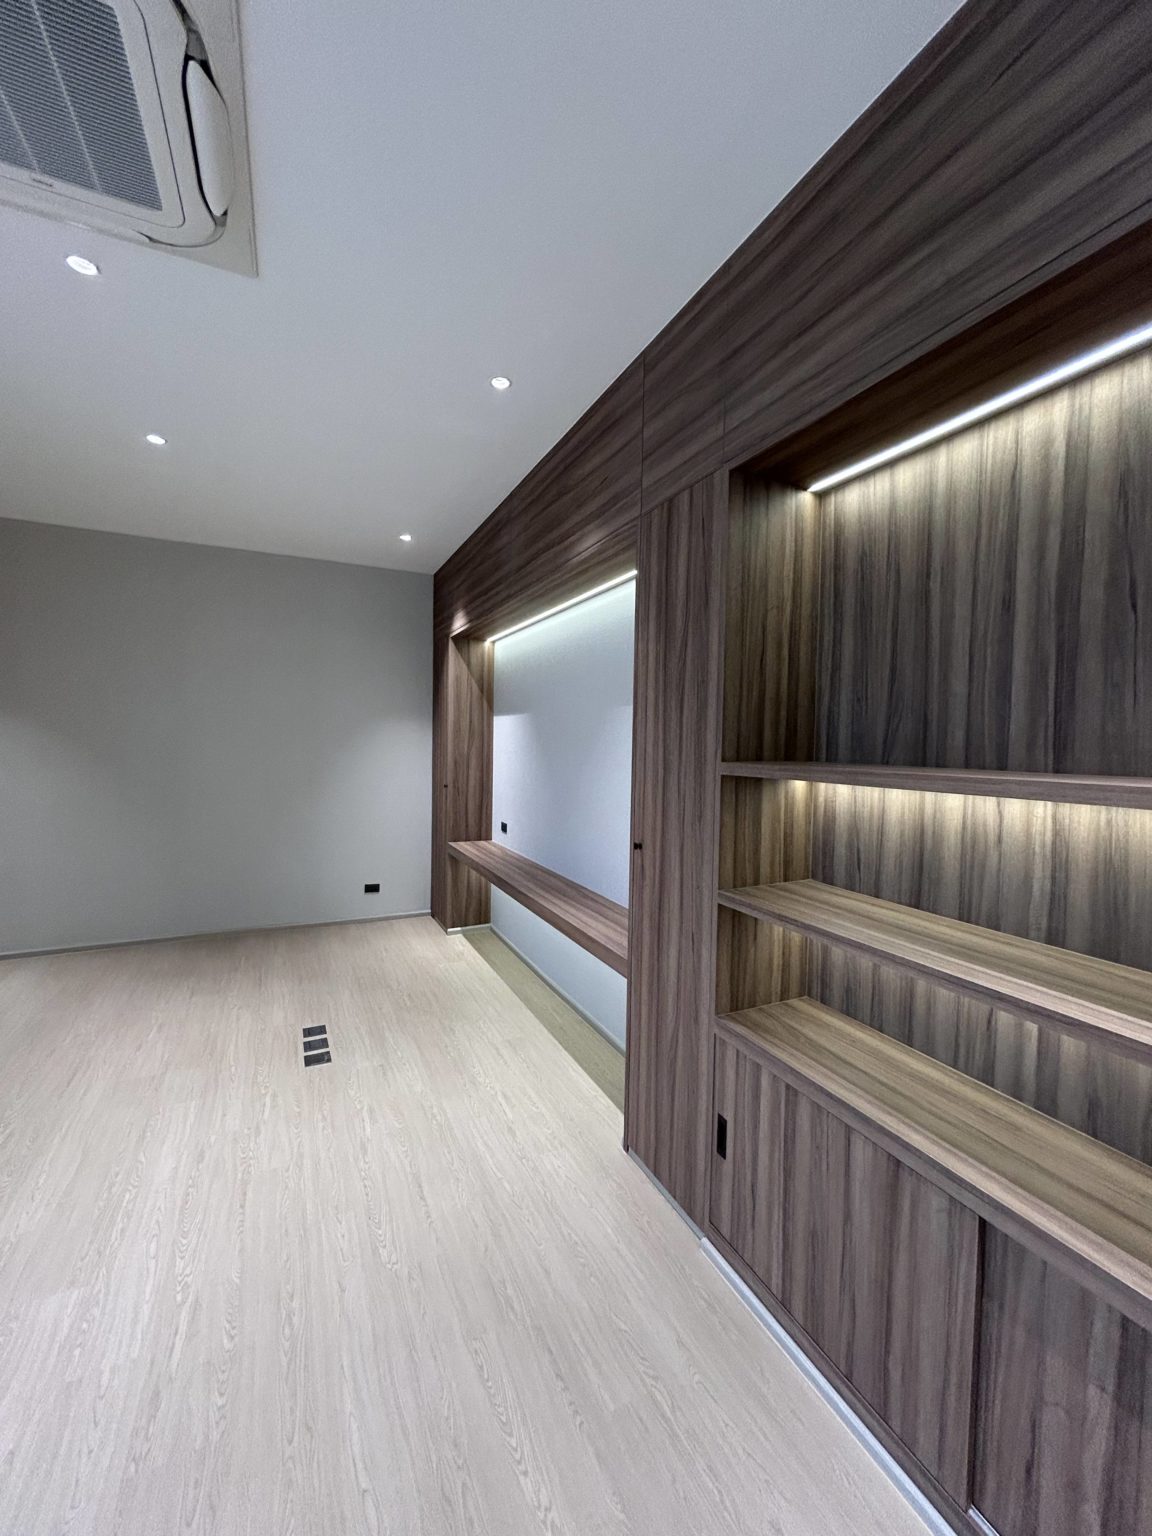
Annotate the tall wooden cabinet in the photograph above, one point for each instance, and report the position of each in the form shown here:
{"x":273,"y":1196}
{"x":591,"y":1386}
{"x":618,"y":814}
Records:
{"x":675,"y":808}
{"x":932,"y":1062}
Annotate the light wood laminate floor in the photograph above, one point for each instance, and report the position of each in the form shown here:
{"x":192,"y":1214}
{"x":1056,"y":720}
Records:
{"x":419,"y":1290}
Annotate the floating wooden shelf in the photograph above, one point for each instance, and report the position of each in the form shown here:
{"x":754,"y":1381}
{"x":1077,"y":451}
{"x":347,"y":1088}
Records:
{"x":1075,"y":788}
{"x":589,"y":919}
{"x":1087,"y":1208}
{"x":1098,"y":999}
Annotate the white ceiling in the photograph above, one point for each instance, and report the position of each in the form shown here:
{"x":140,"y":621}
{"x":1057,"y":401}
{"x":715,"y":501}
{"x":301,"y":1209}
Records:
{"x":444,"y":190}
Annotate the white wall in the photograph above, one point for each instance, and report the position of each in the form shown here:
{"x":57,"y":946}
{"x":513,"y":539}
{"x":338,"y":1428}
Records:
{"x":561,"y":779}
{"x":196,"y":739}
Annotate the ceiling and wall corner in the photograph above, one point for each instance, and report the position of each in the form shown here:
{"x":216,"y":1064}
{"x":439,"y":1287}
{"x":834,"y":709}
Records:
{"x":443,"y":194}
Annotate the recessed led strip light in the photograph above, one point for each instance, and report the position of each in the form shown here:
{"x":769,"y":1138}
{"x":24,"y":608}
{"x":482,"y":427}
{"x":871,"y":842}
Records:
{"x":617,"y":581}
{"x":1085,"y":363}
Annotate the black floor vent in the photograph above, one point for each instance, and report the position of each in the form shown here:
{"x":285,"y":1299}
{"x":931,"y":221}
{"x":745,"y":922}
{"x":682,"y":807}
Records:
{"x":316,"y":1051}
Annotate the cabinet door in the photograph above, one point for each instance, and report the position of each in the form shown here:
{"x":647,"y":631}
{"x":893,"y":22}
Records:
{"x":675,"y":813}
{"x":1064,"y":1405}
{"x":877,"y":1265}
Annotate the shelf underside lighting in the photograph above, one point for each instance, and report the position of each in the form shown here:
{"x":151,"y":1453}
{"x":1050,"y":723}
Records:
{"x":1131,"y":341}
{"x":617,"y":581}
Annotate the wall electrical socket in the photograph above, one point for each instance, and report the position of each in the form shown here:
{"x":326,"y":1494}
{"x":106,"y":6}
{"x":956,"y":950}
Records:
{"x":373,"y":889}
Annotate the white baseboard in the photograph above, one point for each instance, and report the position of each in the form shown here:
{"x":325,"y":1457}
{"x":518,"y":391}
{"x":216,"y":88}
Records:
{"x":559,"y":991}
{"x":843,"y":1410}
{"x":215,"y":933}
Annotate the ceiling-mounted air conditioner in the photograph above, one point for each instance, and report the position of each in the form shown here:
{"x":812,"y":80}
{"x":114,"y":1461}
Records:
{"x":128,"y":116}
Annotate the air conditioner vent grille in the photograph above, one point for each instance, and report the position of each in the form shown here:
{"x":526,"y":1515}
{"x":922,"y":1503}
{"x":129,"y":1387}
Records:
{"x":69,"y":110}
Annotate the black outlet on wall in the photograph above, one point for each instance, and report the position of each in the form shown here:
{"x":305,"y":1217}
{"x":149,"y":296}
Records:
{"x":503,"y":826}
{"x":373,"y":889}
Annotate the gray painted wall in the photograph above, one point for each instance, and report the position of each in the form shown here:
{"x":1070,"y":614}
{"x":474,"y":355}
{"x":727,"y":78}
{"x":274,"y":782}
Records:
{"x":562,"y":780}
{"x":196,"y":739}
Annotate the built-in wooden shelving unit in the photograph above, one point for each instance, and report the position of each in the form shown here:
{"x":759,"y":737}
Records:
{"x":1088,"y":1207}
{"x":587,"y":918}
{"x":1080,"y":993}
{"x":1071,"y":788}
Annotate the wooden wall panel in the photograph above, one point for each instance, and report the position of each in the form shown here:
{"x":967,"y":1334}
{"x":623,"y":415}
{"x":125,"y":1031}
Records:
{"x":1019,"y":140}
{"x":765,"y":836}
{"x":1076,"y":310}
{"x":462,"y":790}
{"x":769,"y":655}
{"x":875,"y":1264}
{"x":1064,"y":1409}
{"x":987,"y":603}
{"x":684,"y":397}
{"x":1075,"y":875}
{"x":679,"y":634}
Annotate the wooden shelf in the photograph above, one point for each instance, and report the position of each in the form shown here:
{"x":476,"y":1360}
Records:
{"x":1085,"y":1207}
{"x":1097,"y":999}
{"x":1074,"y":788}
{"x":598,"y":925}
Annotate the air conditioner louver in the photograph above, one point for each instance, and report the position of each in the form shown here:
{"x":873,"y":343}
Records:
{"x":69,"y":101}
{"x":128,"y":116}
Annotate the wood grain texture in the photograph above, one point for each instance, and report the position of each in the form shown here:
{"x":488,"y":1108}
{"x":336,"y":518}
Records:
{"x":765,"y":838}
{"x":769,"y":706}
{"x":1109,"y":1004}
{"x":418,"y":1290}
{"x":1083,"y":1206}
{"x":684,"y":397}
{"x":1079,"y":308}
{"x":1072,"y":875}
{"x":598,"y":925}
{"x":985,"y":603}
{"x":1018,"y":141}
{"x":1068,"y":788}
{"x":675,"y":811}
{"x":875,"y":1263}
{"x":462,"y":792}
{"x":1065,"y":1405}
{"x":770,"y":645}
{"x":572,"y":518}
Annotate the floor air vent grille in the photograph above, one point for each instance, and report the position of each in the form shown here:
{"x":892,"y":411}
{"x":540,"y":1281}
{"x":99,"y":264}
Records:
{"x":316,"y":1051}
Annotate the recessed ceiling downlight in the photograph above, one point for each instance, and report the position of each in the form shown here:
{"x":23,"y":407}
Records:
{"x":155,"y":439}
{"x":500,"y":382}
{"x":405,"y":538}
{"x":82,"y":265}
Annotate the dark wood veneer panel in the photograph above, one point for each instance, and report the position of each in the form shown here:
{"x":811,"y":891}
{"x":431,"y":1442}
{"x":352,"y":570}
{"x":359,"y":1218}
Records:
{"x":1082,"y":307}
{"x":987,"y":603}
{"x":675,"y":787}
{"x":1064,"y":1412}
{"x":462,"y":763}
{"x":1109,"y":1005}
{"x":684,"y":397}
{"x":874,"y":1262}
{"x":765,"y":836}
{"x":1077,"y":876}
{"x":1069,"y":788}
{"x":1005,"y":151}
{"x":769,"y":655}
{"x":598,"y":925}
{"x":1085,"y":1207}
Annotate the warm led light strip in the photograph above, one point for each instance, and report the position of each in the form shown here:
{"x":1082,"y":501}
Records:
{"x":1070,"y":370}
{"x":617,"y":581}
